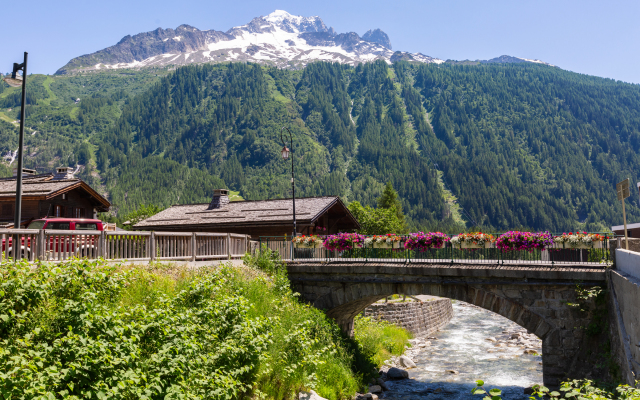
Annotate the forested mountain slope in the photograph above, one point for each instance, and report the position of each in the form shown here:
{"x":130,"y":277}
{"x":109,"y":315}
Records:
{"x":499,"y":146}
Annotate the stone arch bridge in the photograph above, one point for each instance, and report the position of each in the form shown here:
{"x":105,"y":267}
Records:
{"x":533,"y":296}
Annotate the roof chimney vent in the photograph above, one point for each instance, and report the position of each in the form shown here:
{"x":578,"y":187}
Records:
{"x":220,"y":199}
{"x":63,"y":173}
{"x":25,"y":172}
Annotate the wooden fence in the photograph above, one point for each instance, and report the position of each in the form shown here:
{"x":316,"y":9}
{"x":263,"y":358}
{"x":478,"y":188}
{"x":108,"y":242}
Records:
{"x":59,"y":245}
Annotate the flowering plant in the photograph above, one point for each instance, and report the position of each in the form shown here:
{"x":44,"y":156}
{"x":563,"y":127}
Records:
{"x":424,"y":241}
{"x":389,"y":238}
{"x":514,"y":240}
{"x":343,"y":241}
{"x":478,"y":238}
{"x":579,"y":238}
{"x":311,"y":240}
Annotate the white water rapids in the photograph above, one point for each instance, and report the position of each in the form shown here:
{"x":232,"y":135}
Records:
{"x":462,"y":346}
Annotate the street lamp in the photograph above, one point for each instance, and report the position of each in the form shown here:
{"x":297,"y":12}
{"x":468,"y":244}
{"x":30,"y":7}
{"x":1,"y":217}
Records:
{"x":15,"y":80}
{"x":285,"y":155}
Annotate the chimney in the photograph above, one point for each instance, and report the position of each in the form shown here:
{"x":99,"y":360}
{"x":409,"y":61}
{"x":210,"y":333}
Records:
{"x":25,"y":172}
{"x":220,"y":199}
{"x":63,"y":173}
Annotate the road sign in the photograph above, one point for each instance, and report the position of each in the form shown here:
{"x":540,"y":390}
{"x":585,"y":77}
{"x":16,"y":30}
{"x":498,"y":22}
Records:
{"x":622,"y":189}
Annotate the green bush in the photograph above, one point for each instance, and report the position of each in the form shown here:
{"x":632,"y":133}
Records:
{"x":83,"y":329}
{"x":379,"y":340}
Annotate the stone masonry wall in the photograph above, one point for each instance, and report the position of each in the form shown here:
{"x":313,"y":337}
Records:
{"x":421,"y":318}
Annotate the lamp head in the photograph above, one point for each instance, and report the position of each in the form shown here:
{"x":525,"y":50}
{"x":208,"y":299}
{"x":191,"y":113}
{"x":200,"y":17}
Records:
{"x":285,"y":153}
{"x":15,"y":80}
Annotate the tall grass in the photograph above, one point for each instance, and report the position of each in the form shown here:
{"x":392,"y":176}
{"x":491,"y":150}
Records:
{"x":379,"y":340}
{"x":84,"y":329}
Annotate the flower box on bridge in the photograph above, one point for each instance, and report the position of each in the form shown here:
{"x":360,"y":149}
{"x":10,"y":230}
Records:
{"x":583,"y":246}
{"x":394,"y":245}
{"x":308,"y":246}
{"x":466,"y":245}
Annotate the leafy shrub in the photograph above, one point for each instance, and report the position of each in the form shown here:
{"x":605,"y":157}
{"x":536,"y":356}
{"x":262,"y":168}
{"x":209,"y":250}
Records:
{"x":83,"y":329}
{"x":378,"y":339}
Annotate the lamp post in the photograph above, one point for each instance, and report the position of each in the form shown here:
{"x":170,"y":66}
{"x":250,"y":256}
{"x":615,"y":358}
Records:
{"x":285,"y":155}
{"x":15,"y":80}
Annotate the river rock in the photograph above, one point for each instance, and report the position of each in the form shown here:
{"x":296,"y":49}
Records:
{"x":397,"y":373}
{"x":491,"y":339}
{"x":383,"y":384}
{"x":406,"y":362}
{"x":452,"y":371}
{"x":530,"y":351}
{"x":310,"y":395}
{"x":367,"y":396}
{"x":375,"y":389}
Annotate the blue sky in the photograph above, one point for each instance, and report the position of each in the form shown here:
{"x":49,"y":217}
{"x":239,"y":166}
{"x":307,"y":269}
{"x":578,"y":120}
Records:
{"x":595,"y":38}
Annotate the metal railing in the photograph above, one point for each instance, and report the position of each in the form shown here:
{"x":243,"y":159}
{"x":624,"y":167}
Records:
{"x":556,"y":254}
{"x":60,"y":245}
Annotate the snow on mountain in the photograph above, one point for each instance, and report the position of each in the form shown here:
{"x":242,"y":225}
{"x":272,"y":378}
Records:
{"x":280,"y":39}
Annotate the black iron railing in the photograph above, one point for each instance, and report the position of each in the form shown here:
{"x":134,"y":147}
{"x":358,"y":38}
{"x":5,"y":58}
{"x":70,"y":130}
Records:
{"x":556,"y":254}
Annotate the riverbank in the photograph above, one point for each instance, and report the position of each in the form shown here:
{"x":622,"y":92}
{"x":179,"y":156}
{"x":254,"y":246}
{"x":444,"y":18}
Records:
{"x":86,"y":329}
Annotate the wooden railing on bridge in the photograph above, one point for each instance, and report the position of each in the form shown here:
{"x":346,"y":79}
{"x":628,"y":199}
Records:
{"x":59,"y":245}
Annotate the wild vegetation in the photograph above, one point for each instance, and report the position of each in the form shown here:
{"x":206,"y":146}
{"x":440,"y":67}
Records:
{"x":83,"y":329}
{"x":495,"y":146}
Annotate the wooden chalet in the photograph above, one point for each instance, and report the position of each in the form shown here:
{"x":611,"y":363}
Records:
{"x":314,"y":215}
{"x":52,"y":195}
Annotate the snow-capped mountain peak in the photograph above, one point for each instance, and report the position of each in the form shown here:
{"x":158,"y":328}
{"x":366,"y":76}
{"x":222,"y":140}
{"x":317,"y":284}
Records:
{"x":296,"y":23}
{"x":280,"y":39}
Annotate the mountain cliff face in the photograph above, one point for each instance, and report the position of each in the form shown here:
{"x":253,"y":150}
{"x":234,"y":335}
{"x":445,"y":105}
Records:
{"x":279,"y":39}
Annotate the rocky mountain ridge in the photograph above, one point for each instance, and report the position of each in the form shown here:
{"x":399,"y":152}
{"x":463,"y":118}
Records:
{"x":280,"y":39}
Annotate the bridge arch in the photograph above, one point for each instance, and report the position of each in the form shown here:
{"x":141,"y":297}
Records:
{"x":533,"y":296}
{"x":344,"y":303}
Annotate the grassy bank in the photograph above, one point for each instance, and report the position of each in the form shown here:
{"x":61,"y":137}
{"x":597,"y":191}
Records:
{"x":88,"y":330}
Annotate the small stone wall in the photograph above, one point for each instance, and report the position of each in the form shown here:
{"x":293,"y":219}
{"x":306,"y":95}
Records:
{"x":420,"y":317}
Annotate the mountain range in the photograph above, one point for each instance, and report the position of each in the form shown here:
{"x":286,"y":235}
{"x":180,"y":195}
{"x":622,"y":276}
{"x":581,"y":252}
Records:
{"x":279,"y":39}
{"x":496,"y":144}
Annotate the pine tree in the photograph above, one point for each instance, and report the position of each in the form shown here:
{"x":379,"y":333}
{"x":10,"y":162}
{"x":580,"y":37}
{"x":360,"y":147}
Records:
{"x":389,"y":200}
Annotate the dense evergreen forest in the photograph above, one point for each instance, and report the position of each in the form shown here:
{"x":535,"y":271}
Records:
{"x":494,"y":146}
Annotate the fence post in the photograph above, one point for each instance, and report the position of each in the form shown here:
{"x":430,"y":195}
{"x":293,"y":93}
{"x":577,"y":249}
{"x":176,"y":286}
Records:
{"x":228,"y":246}
{"x":193,"y":247}
{"x":102,"y":247}
{"x":152,"y":246}
{"x":41,"y":250}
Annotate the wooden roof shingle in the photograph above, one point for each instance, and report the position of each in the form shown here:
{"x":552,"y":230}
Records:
{"x":247,"y":213}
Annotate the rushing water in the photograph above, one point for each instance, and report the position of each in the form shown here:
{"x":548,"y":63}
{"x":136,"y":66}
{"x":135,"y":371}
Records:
{"x":462,"y":346}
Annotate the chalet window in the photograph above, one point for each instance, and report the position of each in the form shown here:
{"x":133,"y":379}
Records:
{"x":7,"y":210}
{"x":58,"y":211}
{"x":78,"y":212}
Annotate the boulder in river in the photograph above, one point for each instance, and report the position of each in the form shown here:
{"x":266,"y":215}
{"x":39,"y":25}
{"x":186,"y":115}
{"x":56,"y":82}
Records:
{"x":452,"y":371}
{"x":397,"y":373}
{"x":383,"y":384}
{"x":310,"y":395}
{"x":375,"y":389}
{"x":406,"y":362}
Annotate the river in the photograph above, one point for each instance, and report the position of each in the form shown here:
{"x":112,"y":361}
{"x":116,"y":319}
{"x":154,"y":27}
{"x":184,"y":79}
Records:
{"x":460,"y":354}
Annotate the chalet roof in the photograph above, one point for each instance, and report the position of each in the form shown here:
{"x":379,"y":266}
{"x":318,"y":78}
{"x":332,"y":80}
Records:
{"x":246,"y":213}
{"x":43,"y":187}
